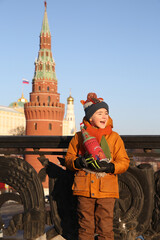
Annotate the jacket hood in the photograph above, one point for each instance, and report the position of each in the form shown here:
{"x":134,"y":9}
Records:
{"x":110,"y":122}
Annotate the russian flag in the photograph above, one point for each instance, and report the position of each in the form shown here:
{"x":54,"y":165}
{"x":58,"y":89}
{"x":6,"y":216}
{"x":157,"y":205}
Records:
{"x":25,"y":81}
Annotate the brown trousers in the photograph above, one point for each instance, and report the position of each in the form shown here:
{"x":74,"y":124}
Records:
{"x":95,"y":216}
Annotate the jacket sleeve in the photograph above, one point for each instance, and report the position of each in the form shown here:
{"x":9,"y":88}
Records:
{"x":120,"y":157}
{"x":72,"y":152}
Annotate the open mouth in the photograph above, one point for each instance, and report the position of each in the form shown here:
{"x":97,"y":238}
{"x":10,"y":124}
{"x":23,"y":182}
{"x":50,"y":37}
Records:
{"x":102,"y":122}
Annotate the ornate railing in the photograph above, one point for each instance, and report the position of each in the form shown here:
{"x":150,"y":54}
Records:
{"x":136,"y":212}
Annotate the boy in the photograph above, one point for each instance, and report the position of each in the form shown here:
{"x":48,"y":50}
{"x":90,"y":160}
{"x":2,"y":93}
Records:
{"x":95,"y":181}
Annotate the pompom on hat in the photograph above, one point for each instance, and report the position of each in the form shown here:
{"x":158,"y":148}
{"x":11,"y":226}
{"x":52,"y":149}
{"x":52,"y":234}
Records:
{"x":92,"y":104}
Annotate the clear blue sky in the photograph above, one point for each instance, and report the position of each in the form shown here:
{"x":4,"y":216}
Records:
{"x":111,"y":47}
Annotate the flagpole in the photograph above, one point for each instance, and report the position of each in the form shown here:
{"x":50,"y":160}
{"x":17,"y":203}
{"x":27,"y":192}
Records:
{"x":24,"y":81}
{"x":22,"y":88}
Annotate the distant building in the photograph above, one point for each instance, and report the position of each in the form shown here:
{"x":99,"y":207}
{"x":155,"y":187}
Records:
{"x":12,"y":118}
{"x":69,"y":125}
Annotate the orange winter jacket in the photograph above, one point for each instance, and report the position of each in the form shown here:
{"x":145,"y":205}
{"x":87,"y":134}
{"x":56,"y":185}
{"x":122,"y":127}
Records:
{"x":87,"y":184}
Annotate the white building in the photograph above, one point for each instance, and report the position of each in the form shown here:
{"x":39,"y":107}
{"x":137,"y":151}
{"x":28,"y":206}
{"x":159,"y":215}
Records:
{"x":69,"y":125}
{"x":12,"y":118}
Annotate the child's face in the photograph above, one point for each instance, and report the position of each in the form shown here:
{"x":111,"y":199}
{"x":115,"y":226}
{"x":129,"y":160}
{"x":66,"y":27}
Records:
{"x":99,"y":118}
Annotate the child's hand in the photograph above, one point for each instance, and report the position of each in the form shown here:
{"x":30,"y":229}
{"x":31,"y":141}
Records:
{"x":82,"y":162}
{"x":101,"y":166}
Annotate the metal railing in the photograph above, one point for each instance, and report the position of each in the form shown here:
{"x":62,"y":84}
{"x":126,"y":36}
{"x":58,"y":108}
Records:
{"x":18,"y":144}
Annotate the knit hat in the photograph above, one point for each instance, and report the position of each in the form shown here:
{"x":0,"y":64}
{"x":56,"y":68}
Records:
{"x":92,"y":104}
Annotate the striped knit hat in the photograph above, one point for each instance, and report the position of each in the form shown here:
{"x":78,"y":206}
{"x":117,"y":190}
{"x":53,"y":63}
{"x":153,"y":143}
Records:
{"x":92,"y":104}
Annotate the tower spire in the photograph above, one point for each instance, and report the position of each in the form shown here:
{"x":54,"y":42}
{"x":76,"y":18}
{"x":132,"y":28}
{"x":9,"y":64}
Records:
{"x":45,"y":65}
{"x":45,"y":26}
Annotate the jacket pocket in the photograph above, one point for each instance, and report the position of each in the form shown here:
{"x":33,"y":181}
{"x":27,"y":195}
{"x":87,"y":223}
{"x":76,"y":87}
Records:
{"x":81,"y":183}
{"x":109,"y":184}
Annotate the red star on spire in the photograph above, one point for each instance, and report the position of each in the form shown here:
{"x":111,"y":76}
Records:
{"x":45,"y":4}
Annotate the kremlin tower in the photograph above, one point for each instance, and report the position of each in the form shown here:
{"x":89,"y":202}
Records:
{"x":44,"y":112}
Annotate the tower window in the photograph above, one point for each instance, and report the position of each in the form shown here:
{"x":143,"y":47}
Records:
{"x":38,"y":98}
{"x":48,"y":89}
{"x":50,"y":126}
{"x":49,"y":99}
{"x":39,"y":88}
{"x":47,"y":67}
{"x":35,"y":126}
{"x":40,"y":67}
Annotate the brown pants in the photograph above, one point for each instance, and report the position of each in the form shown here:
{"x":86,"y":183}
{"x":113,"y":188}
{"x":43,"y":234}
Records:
{"x":95,"y":216}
